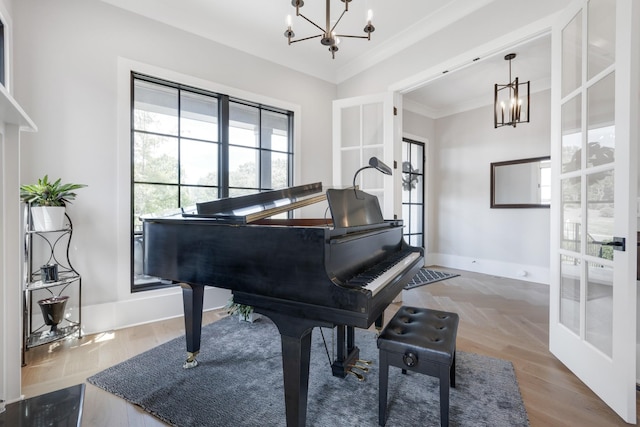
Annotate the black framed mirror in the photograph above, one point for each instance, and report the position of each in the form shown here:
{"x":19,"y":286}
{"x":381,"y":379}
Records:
{"x":523,"y":183}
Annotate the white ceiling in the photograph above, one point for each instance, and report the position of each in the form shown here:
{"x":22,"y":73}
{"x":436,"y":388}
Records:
{"x":257,"y":27}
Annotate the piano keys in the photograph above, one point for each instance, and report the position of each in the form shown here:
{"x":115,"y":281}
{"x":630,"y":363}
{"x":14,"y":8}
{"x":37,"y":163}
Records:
{"x":301,"y":273}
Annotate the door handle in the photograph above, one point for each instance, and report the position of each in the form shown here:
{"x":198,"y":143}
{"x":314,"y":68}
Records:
{"x":618,"y":243}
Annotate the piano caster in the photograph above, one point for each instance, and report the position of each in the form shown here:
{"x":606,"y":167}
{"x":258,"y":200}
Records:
{"x":191,"y":361}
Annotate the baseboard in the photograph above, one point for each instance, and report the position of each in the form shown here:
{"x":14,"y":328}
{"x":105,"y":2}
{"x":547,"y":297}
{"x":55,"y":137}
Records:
{"x":529,"y":273}
{"x":150,"y":307}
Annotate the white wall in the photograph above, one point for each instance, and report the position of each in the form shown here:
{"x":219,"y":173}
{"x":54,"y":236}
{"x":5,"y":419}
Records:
{"x":465,"y":232}
{"x":67,"y":56}
{"x":506,"y":23}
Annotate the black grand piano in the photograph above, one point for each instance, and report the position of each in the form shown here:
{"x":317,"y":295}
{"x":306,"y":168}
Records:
{"x":337,"y":272}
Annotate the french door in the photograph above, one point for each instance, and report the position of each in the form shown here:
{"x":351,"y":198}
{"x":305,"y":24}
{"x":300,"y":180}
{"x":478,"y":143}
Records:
{"x":594,"y":181}
{"x":364,"y":127}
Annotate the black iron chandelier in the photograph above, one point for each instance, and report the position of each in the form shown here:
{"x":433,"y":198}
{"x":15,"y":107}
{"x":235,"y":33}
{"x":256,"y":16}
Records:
{"x":328,"y":36}
{"x":511,"y":101}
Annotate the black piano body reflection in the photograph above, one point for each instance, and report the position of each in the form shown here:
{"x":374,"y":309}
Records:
{"x":301,"y":273}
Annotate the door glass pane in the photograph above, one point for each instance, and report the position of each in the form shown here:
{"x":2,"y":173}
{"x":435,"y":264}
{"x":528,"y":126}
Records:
{"x":600,"y":214}
{"x":571,"y":214}
{"x":373,"y":131}
{"x":350,"y":127}
{"x":601,"y":35}
{"x":572,"y":55}
{"x":570,"y":293}
{"x":350,"y":163}
{"x":571,"y":134}
{"x":599,"y":314}
{"x":600,"y":122}
{"x":372,"y":178}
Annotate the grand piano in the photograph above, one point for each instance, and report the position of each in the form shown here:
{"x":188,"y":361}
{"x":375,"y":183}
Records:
{"x":339,"y":272}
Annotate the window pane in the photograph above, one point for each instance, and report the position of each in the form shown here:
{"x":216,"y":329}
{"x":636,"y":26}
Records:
{"x":571,"y":134}
{"x":350,"y":117}
{"x":601,"y":122}
{"x":373,"y":130}
{"x":243,"y":167}
{"x":198,"y":116}
{"x":602,"y":35}
{"x":189,"y":196}
{"x":198,"y":163}
{"x":155,"y":158}
{"x":155,"y":108}
{"x":600,"y":214}
{"x":275,"y":131}
{"x":243,"y":125}
{"x":277,"y":171}
{"x":572,"y":55}
{"x":599,"y":316}
{"x":153,"y":199}
{"x":571,"y":214}
{"x":570,"y":293}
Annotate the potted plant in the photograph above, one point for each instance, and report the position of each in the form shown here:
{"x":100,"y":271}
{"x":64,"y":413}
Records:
{"x":245,"y":312}
{"x":47,"y":200}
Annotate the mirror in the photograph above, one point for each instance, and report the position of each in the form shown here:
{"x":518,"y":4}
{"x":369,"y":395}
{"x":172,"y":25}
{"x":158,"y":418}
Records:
{"x":524,"y":183}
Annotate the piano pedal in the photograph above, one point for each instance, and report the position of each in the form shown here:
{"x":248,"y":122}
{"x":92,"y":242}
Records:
{"x":360,"y":377}
{"x":365,"y":362}
{"x":191,"y":361}
{"x":361,"y":368}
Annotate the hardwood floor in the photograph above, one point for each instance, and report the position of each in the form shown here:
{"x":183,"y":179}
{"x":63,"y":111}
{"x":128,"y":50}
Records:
{"x":499,"y":317}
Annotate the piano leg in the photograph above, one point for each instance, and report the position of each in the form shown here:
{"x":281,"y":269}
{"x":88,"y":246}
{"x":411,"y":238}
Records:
{"x":295,"y":334}
{"x":192,"y":297}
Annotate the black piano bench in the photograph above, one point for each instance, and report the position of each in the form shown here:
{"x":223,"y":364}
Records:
{"x":423,"y":341}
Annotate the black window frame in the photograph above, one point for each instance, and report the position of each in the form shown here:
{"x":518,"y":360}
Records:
{"x":223,"y":102}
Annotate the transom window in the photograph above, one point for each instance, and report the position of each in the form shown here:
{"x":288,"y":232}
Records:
{"x":190,"y":145}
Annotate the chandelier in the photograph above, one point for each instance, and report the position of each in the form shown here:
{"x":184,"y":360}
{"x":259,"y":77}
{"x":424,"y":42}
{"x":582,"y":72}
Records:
{"x":328,"y":36}
{"x":511,"y":103}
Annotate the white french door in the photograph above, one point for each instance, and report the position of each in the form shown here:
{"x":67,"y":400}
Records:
{"x":364,"y":127}
{"x":594,"y":179}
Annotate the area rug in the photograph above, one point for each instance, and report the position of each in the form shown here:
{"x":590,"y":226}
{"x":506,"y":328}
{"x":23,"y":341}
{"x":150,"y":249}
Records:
{"x":239,"y":382}
{"x":426,"y":276}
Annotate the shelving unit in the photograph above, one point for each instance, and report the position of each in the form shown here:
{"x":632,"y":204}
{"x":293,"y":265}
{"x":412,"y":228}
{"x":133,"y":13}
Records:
{"x":41,"y":248}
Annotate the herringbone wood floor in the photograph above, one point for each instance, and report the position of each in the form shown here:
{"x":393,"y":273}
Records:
{"x":499,"y":317}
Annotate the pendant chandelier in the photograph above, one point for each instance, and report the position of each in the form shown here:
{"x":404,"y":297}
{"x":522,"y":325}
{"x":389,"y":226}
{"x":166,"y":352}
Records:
{"x":328,"y":36}
{"x":511,"y":101}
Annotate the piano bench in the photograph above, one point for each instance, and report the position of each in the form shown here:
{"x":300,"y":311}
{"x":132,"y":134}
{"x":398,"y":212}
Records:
{"x":423,"y":341}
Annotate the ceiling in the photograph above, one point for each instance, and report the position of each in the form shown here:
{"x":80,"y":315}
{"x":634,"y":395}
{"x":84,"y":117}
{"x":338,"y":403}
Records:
{"x":257,"y":27}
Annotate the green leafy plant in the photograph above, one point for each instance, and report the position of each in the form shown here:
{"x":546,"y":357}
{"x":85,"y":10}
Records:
{"x":47,"y":193}
{"x":239,"y":309}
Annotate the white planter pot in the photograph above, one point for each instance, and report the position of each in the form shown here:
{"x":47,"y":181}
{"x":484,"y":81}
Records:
{"x":47,"y":218}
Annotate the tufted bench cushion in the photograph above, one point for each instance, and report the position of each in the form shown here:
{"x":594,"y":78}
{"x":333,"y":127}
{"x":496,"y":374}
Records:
{"x":423,"y":341}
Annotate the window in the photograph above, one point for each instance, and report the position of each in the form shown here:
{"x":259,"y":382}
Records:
{"x":190,"y":145}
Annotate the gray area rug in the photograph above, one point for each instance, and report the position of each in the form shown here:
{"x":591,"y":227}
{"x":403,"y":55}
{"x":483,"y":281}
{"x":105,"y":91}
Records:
{"x":426,"y":276}
{"x":239,"y":382}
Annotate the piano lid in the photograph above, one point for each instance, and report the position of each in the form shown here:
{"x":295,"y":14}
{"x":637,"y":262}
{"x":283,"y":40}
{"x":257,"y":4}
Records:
{"x":246,"y":209}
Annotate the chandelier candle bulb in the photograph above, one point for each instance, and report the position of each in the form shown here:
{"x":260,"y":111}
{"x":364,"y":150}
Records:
{"x":328,"y":35}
